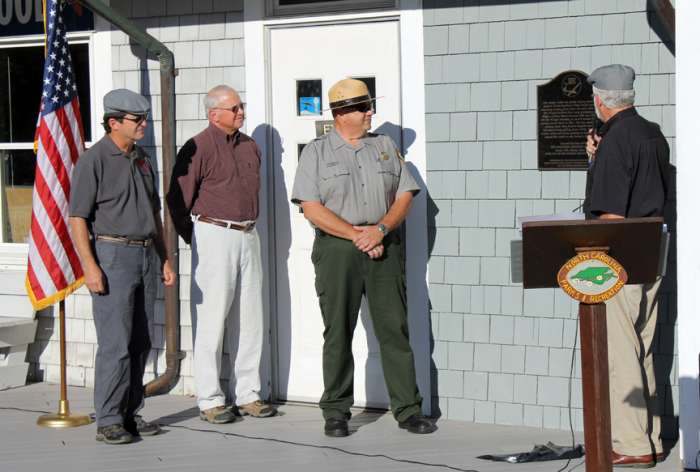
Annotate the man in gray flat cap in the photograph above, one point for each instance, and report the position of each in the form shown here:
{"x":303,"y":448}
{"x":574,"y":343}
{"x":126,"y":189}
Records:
{"x":116,"y":226}
{"x":628,"y":177}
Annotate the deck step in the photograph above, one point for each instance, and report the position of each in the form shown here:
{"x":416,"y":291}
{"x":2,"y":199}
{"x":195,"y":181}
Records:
{"x":15,"y":336}
{"x":14,"y":302}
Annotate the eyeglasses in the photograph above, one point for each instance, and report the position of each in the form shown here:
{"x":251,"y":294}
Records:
{"x":234,"y":109}
{"x":138,"y":120}
{"x":361,"y":107}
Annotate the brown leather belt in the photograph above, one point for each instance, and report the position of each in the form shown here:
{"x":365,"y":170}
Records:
{"x":227,"y":224}
{"x":125,"y":241}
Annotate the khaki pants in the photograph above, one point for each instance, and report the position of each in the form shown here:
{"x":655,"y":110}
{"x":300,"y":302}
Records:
{"x":226,"y":294}
{"x":631,"y":323}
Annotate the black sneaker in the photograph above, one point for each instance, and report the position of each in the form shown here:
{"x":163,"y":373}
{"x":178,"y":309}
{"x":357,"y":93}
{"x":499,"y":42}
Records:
{"x":113,"y":434}
{"x":144,"y":428}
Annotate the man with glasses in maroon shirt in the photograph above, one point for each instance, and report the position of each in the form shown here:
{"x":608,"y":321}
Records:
{"x":213,"y":200}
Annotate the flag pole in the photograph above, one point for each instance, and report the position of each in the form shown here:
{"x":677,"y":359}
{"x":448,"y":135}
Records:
{"x":50,"y":280}
{"x":64,"y":418}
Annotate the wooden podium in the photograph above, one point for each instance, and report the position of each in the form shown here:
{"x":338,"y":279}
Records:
{"x":591,"y":260}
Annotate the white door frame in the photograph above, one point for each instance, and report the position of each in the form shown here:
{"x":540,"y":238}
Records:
{"x":259,"y":112}
{"x":687,"y":196}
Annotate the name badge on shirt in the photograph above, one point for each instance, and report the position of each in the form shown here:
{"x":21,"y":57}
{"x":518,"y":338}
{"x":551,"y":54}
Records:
{"x":384,"y":156}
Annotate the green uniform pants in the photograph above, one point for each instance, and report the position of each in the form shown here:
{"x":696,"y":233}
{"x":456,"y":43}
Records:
{"x":343,"y":275}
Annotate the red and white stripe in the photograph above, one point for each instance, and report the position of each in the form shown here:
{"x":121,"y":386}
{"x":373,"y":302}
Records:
{"x":54,"y":268}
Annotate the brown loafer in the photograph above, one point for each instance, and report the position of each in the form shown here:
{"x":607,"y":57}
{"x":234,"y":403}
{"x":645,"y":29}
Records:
{"x":641,"y":462}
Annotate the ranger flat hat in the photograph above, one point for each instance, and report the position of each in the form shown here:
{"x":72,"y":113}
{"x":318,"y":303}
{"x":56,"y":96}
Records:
{"x":612,"y":77}
{"x":122,"y":101}
{"x":348,"y":92}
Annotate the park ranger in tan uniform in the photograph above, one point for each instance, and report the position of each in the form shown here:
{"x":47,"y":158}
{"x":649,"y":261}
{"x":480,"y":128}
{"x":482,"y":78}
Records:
{"x":355,"y":190}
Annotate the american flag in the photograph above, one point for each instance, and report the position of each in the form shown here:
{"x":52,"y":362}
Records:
{"x":54,"y":270}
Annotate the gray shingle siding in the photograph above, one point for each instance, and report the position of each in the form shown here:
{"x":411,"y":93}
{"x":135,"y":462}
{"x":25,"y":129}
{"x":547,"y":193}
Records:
{"x":499,"y":51}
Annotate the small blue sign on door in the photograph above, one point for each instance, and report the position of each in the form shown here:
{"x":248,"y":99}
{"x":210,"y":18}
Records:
{"x":309,"y":105}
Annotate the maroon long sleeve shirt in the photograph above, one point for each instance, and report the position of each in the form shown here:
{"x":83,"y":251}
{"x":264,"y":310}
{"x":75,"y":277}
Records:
{"x":215,"y":175}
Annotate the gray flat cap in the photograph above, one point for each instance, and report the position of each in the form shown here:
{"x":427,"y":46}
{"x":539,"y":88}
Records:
{"x":612,"y":77}
{"x":125,"y":101}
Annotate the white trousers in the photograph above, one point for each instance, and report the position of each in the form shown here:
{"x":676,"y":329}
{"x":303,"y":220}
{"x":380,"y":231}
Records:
{"x":226,"y":293}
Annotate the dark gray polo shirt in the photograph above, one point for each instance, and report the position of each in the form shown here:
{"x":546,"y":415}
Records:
{"x":115,"y":192}
{"x":359,"y":184}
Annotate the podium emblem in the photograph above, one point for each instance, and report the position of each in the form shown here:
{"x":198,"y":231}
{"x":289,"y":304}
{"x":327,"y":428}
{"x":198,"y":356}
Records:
{"x":591,"y":277}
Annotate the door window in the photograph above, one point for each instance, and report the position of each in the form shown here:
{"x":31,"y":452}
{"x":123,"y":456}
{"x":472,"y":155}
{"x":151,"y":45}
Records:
{"x":372,"y":86}
{"x":309,"y":97}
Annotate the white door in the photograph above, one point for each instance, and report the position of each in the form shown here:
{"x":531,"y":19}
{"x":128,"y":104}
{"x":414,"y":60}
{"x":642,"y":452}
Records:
{"x":305,"y":62}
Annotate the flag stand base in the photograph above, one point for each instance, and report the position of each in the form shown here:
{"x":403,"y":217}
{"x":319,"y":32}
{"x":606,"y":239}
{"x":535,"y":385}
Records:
{"x":64,"y":418}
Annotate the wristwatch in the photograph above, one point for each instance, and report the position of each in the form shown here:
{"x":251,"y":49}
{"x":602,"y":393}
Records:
{"x":383,"y":229}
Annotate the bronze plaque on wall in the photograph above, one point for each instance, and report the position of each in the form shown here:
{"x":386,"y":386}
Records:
{"x":565,"y":113}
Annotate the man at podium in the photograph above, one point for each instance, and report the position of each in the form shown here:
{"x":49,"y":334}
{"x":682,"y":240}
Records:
{"x":628,"y":177}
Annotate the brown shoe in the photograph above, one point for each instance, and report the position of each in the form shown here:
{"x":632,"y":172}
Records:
{"x":641,"y":462}
{"x":258,"y":409}
{"x":217,"y":415}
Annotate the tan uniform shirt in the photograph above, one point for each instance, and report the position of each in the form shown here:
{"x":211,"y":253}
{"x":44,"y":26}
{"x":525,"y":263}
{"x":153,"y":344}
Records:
{"x":359,"y":184}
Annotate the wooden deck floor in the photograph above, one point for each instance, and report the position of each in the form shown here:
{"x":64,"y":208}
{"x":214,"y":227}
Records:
{"x":290,"y":442}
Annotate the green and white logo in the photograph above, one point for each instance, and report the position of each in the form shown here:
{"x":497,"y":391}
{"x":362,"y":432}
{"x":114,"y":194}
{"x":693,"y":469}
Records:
{"x":594,"y":275}
{"x":591,"y":277}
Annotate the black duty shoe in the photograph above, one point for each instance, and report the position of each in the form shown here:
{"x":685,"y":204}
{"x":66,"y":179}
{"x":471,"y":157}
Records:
{"x":336,"y":427}
{"x":113,"y":434}
{"x":418,"y":424}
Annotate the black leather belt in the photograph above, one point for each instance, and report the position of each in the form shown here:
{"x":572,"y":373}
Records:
{"x":124,"y":240}
{"x":226,"y":224}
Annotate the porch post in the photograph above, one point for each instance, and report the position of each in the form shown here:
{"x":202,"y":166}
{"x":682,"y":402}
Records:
{"x":688,"y":194}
